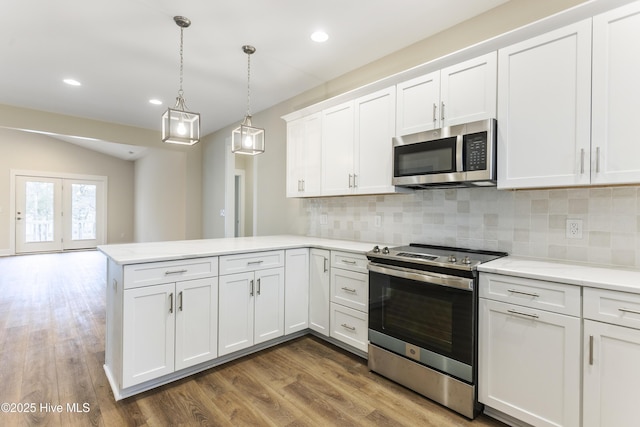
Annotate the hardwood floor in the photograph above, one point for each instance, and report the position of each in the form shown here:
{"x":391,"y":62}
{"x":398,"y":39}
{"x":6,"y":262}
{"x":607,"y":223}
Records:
{"x":52,"y":322}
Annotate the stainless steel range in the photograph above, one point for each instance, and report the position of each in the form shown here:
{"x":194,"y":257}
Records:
{"x":423,"y":329}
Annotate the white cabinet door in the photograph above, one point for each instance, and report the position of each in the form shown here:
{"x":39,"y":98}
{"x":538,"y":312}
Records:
{"x":616,"y":90}
{"x":269,"y":305}
{"x":529,"y":363}
{"x":235,"y":312}
{"x":319,"y":289}
{"x":468,"y":91}
{"x":196,"y":322}
{"x":544,"y":109}
{"x":375,"y":128}
{"x":296,"y":292}
{"x":417,"y":104}
{"x":148,"y":333}
{"x":611,"y":375}
{"x":338,"y":149}
{"x":304,"y":156}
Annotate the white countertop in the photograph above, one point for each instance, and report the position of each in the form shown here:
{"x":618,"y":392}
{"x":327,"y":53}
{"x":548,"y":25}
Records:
{"x":136,"y":253}
{"x":618,"y":279}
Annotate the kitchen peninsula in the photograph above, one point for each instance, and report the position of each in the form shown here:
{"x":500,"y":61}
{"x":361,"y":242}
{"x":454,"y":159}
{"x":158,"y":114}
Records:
{"x":180,"y":307}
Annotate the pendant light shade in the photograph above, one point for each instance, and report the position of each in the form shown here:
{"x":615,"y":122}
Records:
{"x":180,"y":126}
{"x":248,"y":139}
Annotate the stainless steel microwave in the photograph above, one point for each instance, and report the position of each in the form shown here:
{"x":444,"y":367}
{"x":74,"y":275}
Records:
{"x":456,"y":156}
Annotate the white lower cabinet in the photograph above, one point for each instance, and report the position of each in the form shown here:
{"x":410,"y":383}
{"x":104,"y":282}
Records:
{"x":296,"y":292}
{"x":168,"y":327}
{"x":529,"y":358}
{"x":251,"y":309}
{"x":349,"y":299}
{"x":611,"y":358}
{"x":319,"y":289}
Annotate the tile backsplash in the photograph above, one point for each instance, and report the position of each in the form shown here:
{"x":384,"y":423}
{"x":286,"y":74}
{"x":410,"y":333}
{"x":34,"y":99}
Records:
{"x":525,"y":222}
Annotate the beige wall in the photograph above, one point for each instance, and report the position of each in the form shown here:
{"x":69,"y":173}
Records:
{"x":277,"y":214}
{"x":35,"y":152}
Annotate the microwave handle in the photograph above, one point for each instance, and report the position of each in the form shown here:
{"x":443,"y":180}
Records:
{"x":459,"y":157}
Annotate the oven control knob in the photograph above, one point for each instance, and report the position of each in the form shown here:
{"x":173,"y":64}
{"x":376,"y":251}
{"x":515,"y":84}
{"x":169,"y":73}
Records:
{"x":452,"y":258}
{"x":376,"y":249}
{"x":466,"y":260}
{"x":385,"y":250}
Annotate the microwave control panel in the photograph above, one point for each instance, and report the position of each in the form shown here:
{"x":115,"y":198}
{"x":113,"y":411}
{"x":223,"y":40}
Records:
{"x":475,"y":151}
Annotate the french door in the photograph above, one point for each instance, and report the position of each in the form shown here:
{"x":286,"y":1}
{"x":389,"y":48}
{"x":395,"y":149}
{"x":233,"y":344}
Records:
{"x":55,"y":214}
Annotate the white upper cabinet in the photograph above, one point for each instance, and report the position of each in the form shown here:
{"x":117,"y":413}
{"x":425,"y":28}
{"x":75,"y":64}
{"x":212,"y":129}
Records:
{"x":461,"y":93}
{"x":375,"y":128}
{"x":304,"y":155}
{"x":615,"y":152}
{"x":356,"y":145}
{"x":468,"y":91}
{"x":338,"y":149}
{"x":544,"y":109}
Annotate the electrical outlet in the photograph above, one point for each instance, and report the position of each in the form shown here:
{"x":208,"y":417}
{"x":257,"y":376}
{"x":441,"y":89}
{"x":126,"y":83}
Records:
{"x":378,"y":221}
{"x":323,"y":219}
{"x":574,"y":229}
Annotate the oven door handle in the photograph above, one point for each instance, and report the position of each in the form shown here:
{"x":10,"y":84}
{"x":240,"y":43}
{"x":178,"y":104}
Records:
{"x":462,"y":283}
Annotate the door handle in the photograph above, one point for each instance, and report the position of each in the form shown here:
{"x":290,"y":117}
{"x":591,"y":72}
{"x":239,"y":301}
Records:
{"x":180,"y":303}
{"x":251,"y":285}
{"x":258,"y":290}
{"x":171,"y":302}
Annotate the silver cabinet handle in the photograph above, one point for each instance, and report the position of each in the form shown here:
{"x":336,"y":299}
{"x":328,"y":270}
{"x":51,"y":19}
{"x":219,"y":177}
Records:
{"x":299,"y":181}
{"x":355,"y":182}
{"x":251,"y":288}
{"x":628,"y":310}
{"x":350,"y":180}
{"x":169,"y":272}
{"x":180,"y":299}
{"x":590,"y":349}
{"x":597,"y":159}
{"x":258,"y":291}
{"x":582,"y":160}
{"x":351,"y":328}
{"x":435,"y":110}
{"x":325,"y":265}
{"x":346,"y":261}
{"x":255,"y":262}
{"x":171,"y":302}
{"x":534,"y":316}
{"x":303,"y":185}
{"x":442,"y":112}
{"x":529,"y":294}
{"x":351,"y":290}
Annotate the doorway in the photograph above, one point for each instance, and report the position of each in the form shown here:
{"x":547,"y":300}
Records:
{"x":58,"y":213}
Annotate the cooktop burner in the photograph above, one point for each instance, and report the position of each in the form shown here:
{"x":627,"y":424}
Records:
{"x":433,"y":255}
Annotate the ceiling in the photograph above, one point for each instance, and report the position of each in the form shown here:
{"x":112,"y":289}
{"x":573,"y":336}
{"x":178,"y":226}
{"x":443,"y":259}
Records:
{"x":125,"y":52}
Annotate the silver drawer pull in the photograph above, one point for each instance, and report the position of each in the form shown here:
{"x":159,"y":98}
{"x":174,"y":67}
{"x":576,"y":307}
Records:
{"x":590,"y":349}
{"x":628,"y":310}
{"x":533,"y":316}
{"x":353,"y":291}
{"x":168,"y":272}
{"x":351,"y":328}
{"x":529,"y":294}
{"x":255,"y":262}
{"x":346,"y":261}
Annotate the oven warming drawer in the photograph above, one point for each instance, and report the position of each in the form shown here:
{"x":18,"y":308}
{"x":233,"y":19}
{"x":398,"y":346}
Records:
{"x":450,"y":392}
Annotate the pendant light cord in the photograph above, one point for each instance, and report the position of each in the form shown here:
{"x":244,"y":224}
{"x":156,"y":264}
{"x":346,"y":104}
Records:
{"x":248,"y":84}
{"x":180,"y":91}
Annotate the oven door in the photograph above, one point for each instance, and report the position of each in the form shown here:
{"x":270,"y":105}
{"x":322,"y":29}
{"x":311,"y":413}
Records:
{"x":425,"y":316}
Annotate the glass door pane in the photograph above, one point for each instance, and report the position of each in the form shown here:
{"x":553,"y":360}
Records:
{"x":38,"y":214}
{"x":83,"y":211}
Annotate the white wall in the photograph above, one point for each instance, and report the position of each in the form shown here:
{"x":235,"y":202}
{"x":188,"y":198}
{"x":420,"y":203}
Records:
{"x":160,"y":208}
{"x":36,"y":152}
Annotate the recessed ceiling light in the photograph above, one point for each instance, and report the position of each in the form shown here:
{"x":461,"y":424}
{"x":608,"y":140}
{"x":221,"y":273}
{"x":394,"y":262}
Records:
{"x":72,"y":82}
{"x":319,"y":36}
{"x":155,"y":102}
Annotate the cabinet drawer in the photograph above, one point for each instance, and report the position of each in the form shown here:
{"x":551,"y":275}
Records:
{"x":619,"y":308}
{"x":551,"y":296}
{"x":153,"y":273}
{"x":350,"y":288}
{"x":349,"y":326}
{"x":349,"y":261}
{"x":239,"y":263}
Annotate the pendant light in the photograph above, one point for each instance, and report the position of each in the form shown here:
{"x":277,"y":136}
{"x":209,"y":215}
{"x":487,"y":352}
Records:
{"x":180,"y":126}
{"x":247,"y":139}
